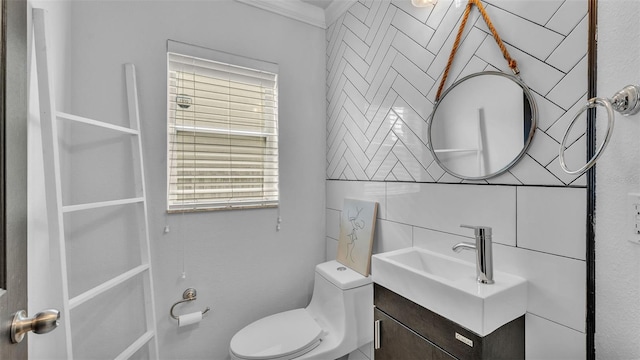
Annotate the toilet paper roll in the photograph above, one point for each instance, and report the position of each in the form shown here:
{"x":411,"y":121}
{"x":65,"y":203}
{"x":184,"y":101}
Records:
{"x":189,"y":319}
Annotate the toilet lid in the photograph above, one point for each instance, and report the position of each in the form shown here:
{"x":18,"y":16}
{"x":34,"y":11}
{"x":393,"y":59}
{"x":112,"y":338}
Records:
{"x":277,"y":336}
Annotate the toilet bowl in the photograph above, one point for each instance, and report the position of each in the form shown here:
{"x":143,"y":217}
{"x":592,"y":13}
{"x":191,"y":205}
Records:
{"x":337,"y":321}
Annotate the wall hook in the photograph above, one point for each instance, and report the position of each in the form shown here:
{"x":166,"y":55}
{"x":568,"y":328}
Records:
{"x":187,"y":295}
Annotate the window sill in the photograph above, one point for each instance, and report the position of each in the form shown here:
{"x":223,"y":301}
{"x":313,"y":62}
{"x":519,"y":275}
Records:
{"x":226,"y":208}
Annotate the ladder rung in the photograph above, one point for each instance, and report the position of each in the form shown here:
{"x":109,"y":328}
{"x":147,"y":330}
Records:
{"x":90,"y":294}
{"x":101,"y":204}
{"x":137,"y":345}
{"x":101,"y":124}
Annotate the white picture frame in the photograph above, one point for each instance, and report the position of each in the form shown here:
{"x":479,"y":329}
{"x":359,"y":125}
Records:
{"x":357,"y":226}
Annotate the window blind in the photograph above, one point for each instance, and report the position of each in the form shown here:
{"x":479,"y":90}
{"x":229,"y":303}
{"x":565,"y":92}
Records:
{"x":222,"y":135}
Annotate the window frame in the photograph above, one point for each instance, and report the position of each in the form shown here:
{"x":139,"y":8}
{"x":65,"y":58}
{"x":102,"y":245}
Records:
{"x":184,"y":49}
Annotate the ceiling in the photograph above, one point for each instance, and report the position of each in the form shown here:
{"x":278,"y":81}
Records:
{"x":319,"y":3}
{"x":318,"y":13}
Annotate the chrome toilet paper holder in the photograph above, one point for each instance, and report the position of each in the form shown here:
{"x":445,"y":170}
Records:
{"x":187,"y":295}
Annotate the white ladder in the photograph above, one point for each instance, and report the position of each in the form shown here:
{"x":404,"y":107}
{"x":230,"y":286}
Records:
{"x":56,"y":210}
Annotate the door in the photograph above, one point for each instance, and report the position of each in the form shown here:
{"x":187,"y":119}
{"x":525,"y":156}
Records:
{"x":14,"y":323}
{"x":13,"y":173}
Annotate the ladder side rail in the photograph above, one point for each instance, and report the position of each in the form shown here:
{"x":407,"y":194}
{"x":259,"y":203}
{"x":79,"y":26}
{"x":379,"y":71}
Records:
{"x":145,"y":251}
{"x":51,"y":157}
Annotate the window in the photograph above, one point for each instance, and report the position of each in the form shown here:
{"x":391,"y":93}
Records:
{"x":222,"y":136}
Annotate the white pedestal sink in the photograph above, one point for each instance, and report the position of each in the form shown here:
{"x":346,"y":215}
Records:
{"x":448,"y":287}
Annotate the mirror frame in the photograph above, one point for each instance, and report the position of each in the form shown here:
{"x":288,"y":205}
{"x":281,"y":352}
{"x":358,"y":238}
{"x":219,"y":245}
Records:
{"x":534,"y":124}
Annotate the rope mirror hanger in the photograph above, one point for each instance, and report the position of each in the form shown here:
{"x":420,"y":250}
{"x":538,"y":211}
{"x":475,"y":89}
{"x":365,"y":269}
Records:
{"x":513,"y":65}
{"x":474,"y":134}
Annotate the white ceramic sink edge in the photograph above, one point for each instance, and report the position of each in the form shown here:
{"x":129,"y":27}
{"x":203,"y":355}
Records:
{"x":448,"y":287}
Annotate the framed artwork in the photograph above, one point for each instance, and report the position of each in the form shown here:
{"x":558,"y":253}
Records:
{"x":357,"y":224}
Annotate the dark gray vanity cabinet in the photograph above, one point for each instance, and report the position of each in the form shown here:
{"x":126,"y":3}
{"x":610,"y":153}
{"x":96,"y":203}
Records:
{"x":409,"y":331}
{"x":399,"y":342}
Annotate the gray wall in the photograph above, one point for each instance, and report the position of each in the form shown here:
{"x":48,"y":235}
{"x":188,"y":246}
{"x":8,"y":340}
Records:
{"x":234,"y":288}
{"x":242,"y":268}
{"x":617,"y":266}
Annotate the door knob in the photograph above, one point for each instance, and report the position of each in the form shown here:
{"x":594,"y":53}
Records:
{"x":42,"y":323}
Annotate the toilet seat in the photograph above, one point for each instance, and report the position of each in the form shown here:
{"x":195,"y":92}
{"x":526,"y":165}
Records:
{"x":282,"y":336}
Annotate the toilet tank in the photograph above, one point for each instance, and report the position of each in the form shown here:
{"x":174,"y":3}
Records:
{"x":342,"y":303}
{"x":342,"y":277}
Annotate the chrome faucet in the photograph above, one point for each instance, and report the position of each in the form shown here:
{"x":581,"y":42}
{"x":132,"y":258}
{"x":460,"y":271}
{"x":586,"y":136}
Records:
{"x":484,"y":252}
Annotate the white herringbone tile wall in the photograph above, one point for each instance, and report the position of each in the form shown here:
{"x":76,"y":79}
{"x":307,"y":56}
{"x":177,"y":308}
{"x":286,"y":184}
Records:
{"x":385,"y":59}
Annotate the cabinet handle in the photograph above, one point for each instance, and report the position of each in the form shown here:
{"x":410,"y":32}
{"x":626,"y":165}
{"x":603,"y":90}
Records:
{"x":376,"y":334}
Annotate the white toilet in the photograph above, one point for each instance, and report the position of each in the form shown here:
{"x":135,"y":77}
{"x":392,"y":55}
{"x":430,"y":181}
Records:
{"x":338,"y":320}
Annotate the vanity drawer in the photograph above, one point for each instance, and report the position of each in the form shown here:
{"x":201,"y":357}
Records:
{"x":399,"y":342}
{"x":507,"y":342}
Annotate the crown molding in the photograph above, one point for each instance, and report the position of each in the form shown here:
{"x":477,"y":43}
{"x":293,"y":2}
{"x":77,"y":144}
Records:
{"x":296,"y":10}
{"x":336,"y":9}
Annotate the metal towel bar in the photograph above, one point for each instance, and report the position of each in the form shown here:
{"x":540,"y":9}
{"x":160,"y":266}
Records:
{"x":625,"y":101}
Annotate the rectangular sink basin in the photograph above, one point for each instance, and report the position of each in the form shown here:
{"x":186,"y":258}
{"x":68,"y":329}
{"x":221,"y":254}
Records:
{"x":448,"y":287}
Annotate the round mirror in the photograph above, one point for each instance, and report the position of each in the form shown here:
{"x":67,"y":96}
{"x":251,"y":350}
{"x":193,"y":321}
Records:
{"x":482,"y":125}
